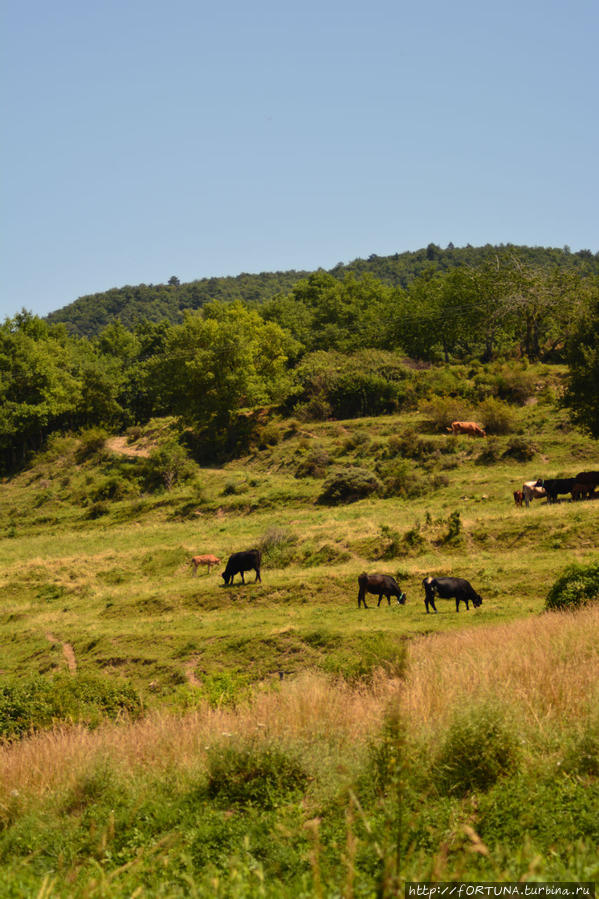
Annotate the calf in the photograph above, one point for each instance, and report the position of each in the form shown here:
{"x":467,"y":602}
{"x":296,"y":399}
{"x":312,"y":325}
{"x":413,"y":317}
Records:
{"x":208,"y":560}
{"x":449,"y":588}
{"x":241,"y":562}
{"x":556,"y":486}
{"x":518,"y":497}
{"x":381,"y":585}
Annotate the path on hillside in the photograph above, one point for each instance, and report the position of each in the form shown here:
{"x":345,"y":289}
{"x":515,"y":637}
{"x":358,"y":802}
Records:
{"x":67,"y":651}
{"x":122,"y":446}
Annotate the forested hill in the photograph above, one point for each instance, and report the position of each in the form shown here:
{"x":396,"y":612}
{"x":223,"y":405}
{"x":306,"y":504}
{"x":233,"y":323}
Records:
{"x":154,"y":302}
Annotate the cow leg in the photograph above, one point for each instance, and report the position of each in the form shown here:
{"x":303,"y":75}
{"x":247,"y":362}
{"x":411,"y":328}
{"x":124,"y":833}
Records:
{"x":379,"y":602}
{"x":242,"y":578}
{"x":457,"y":604}
{"x":362,"y":598}
{"x":258,"y":578}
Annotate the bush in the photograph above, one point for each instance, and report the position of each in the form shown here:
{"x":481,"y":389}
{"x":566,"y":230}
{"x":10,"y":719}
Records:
{"x":497,"y":417}
{"x":521,"y":449}
{"x":39,"y":702}
{"x":582,"y":758}
{"x":314,"y":465}
{"x":478,"y":749}
{"x":442,"y":410}
{"x":93,"y":440}
{"x":577,"y":586}
{"x":400,"y":479}
{"x":349,"y":485}
{"x":251,"y":775}
{"x":168,"y":466}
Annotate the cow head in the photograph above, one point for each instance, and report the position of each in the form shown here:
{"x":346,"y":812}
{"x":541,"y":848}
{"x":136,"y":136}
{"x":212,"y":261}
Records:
{"x":225,"y":577}
{"x":477,"y":600}
{"x":401,"y":599}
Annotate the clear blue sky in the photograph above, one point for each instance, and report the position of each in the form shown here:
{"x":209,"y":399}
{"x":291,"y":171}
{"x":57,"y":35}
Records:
{"x":150,"y":138}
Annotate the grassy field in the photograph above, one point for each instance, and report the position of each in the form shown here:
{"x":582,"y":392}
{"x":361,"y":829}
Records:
{"x":282,"y":741}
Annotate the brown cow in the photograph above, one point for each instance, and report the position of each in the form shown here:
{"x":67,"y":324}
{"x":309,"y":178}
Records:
{"x":518,"y":497}
{"x":208,"y":560}
{"x":471,"y":428}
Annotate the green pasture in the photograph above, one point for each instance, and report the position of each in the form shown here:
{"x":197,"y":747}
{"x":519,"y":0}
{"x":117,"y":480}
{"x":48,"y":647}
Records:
{"x":119,"y":590}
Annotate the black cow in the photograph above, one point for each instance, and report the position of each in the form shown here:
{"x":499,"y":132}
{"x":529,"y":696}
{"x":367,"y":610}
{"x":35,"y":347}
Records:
{"x":449,"y":588}
{"x":381,"y":585}
{"x":240,"y":562}
{"x":555,"y":486}
{"x":589,"y":480}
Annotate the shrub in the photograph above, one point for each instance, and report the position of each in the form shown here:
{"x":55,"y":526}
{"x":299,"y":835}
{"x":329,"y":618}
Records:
{"x":577,"y":586}
{"x":442,"y":410}
{"x":497,"y":417}
{"x":454,"y":529}
{"x":225,"y":688}
{"x":92,"y":442}
{"x":314,"y":465}
{"x":400,"y":479}
{"x":349,"y":485}
{"x":582,"y":757}
{"x":167,"y":466}
{"x":263,"y":776}
{"x":521,"y":449}
{"x":490,"y":453}
{"x":478,"y":749}
{"x":38,"y":702}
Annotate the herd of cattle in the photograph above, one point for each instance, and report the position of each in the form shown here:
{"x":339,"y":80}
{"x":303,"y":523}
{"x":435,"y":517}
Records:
{"x":378,"y":584}
{"x":580,"y":487}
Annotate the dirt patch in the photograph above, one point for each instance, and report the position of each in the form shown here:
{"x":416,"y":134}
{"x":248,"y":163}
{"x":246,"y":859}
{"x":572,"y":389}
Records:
{"x":190,"y":674}
{"x":67,"y":651}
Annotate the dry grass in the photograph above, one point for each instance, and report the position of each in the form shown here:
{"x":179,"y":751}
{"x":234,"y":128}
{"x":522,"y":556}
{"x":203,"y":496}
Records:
{"x":307,"y":710}
{"x":545,"y":668}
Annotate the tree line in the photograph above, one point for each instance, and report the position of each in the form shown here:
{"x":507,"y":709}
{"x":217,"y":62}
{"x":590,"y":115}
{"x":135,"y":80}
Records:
{"x":329,"y":346}
{"x":88,"y":315}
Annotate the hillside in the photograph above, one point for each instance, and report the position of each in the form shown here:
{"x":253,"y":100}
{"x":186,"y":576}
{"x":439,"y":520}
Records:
{"x":88,"y":315}
{"x":273,"y":739}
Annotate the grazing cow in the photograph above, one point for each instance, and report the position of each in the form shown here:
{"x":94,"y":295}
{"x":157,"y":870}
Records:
{"x":471,"y":428}
{"x":556,"y":486}
{"x":381,"y":585}
{"x":241,"y":562}
{"x":531,"y":491}
{"x":582,"y":491}
{"x":589,"y":479}
{"x":449,"y":588}
{"x":518,"y":497}
{"x":208,"y":560}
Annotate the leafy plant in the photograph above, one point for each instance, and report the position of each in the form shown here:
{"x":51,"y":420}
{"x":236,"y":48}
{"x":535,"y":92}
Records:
{"x":480,"y":747}
{"x":265,"y":776}
{"x":349,"y":485}
{"x":577,"y":586}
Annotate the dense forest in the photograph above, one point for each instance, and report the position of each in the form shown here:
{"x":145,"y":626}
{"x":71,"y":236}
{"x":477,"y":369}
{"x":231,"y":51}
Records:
{"x":154,"y":302}
{"x":328,"y":345}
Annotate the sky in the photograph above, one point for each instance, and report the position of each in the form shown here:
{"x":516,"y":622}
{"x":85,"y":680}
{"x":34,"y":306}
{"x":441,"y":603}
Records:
{"x":149,"y":138}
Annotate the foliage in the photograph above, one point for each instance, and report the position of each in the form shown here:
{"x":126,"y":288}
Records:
{"x":582,"y":387}
{"x":349,"y":485}
{"x":497,"y":417}
{"x":480,"y":747}
{"x":578,"y":585}
{"x":264,"y":776}
{"x":168,"y":465}
{"x":39,"y":702}
{"x":278,"y":547}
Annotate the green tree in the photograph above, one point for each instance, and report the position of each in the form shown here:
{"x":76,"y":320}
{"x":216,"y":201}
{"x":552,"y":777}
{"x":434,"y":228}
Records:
{"x":219,"y":361}
{"x":582,"y":390}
